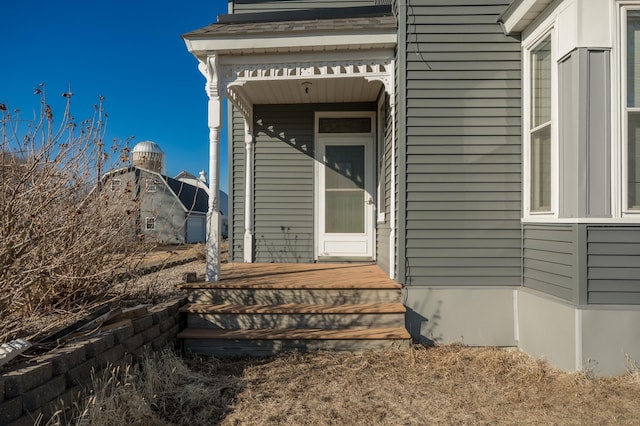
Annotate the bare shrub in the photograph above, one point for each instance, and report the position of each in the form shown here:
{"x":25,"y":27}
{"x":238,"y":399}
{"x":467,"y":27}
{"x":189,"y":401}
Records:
{"x":61,"y":237}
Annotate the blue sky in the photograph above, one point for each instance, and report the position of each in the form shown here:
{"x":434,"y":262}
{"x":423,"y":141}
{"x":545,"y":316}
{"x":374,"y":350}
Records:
{"x":131,"y":53}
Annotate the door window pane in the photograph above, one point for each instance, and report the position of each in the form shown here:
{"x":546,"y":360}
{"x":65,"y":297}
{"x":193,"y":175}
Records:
{"x":344,"y":212}
{"x":344,"y":125}
{"x":344,"y":189}
{"x":344,"y":166}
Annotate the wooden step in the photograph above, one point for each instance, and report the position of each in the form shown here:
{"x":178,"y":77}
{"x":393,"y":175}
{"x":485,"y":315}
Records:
{"x":268,"y":296}
{"x":287,"y":285}
{"x":295,"y":308}
{"x":295,"y":334}
{"x":263,"y":309}
{"x":266,"y":342}
{"x":234,"y":316}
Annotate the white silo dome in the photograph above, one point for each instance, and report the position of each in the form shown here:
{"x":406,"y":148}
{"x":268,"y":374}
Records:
{"x":148,"y":155}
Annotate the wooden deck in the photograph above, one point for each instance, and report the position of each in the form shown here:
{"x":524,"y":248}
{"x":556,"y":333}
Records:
{"x":265,"y":308}
{"x":294,"y":308}
{"x":299,"y":275}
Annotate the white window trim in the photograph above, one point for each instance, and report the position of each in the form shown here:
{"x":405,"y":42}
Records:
{"x":147,"y":220}
{"x":527,"y":46}
{"x":616,"y":115}
{"x":116,"y":184}
{"x":369,"y":168}
{"x":151,"y":185}
{"x":620,"y":113}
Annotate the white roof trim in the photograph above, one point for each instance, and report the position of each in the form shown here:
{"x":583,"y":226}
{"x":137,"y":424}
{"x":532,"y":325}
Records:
{"x":520,"y":14}
{"x":290,"y":43}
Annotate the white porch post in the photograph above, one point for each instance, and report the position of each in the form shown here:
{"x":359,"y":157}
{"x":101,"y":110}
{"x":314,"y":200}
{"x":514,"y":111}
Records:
{"x":388,"y":80}
{"x":392,"y":213}
{"x":209,"y":69}
{"x":248,"y":189}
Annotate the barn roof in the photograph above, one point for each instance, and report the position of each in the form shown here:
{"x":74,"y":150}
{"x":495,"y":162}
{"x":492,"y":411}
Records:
{"x":193,"y":198}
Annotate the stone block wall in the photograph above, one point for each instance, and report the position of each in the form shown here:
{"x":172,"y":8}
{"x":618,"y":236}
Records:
{"x":57,"y":377}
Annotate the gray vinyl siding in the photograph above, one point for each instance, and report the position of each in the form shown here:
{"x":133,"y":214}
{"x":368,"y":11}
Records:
{"x":549,"y":259}
{"x":598,"y":203}
{"x":254,"y":6}
{"x":585,"y":181}
{"x":384,"y":228}
{"x":613,"y":264}
{"x":463,"y":145}
{"x":237,"y":185}
{"x":283,"y":183}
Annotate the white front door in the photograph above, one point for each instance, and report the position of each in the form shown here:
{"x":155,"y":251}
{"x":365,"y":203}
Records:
{"x":344,"y":196}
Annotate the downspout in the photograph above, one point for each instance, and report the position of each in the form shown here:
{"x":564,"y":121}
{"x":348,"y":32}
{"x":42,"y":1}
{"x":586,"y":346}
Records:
{"x":400,"y":191}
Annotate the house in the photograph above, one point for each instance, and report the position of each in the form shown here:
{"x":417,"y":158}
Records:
{"x":168,"y":210}
{"x":483,"y":153}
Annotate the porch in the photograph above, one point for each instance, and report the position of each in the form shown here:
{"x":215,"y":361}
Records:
{"x":261,"y":309}
{"x":292,"y":178}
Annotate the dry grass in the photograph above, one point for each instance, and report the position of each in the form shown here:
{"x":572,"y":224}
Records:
{"x":163,"y":390}
{"x":450,"y":384}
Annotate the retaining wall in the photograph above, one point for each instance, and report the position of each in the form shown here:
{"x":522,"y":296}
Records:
{"x":57,"y":377}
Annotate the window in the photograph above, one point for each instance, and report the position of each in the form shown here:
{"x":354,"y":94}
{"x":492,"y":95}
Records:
{"x":150,"y":223}
{"x":632,"y":110}
{"x":540,"y":127}
{"x":115,"y":184}
{"x":151,"y":185}
{"x":344,"y":125}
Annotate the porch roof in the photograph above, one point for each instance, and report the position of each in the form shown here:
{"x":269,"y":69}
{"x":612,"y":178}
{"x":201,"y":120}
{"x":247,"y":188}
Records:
{"x":361,"y":27}
{"x":343,"y":25}
{"x":520,"y":14}
{"x":326,"y":56}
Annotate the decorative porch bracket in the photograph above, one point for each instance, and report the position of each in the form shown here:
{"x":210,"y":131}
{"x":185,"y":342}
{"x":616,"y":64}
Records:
{"x":380,"y":69}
